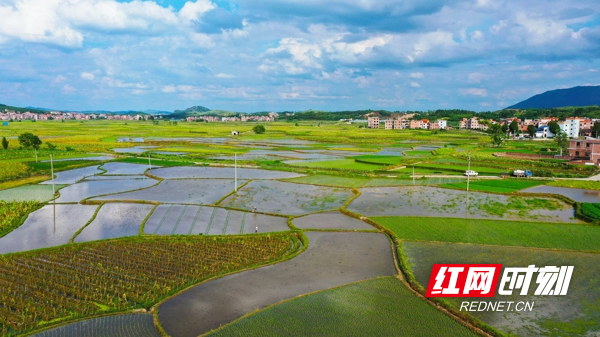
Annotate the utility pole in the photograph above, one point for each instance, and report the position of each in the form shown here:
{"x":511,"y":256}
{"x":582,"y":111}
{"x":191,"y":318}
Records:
{"x":235,"y":169}
{"x":149,"y":162}
{"x":52,"y":172}
{"x":36,"y":159}
{"x":468,"y":171}
{"x":413,"y":175}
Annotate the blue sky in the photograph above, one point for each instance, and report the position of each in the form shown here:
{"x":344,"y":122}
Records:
{"x":279,"y":55}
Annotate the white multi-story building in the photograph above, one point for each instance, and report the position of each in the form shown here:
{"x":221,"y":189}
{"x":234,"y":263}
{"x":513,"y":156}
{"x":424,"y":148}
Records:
{"x":570,"y":127}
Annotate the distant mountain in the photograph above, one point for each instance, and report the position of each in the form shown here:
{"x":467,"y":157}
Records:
{"x":30,"y":109}
{"x":577,"y":96}
{"x":202,"y":111}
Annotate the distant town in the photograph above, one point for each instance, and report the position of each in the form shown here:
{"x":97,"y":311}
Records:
{"x":574,"y":127}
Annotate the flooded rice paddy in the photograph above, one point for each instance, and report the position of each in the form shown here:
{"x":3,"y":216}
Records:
{"x":332,"y":220}
{"x":86,"y":189}
{"x":115,"y":220}
{"x":287,"y":198}
{"x":194,"y":220}
{"x":124,"y":168}
{"x":189,"y":191}
{"x":29,"y":192}
{"x":438,"y":202}
{"x":575,"y":194}
{"x":52,"y":225}
{"x":73,"y":176}
{"x":332,"y":259}
{"x":129,"y":325}
{"x":197,"y":172}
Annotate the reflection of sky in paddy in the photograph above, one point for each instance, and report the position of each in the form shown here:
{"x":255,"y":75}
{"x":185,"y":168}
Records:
{"x":115,"y":220}
{"x":52,"y":225}
{"x":576,"y":194}
{"x":86,"y":189}
{"x":136,"y":149}
{"x":125,"y":168}
{"x":197,"y":172}
{"x":100,"y":158}
{"x":72,"y":176}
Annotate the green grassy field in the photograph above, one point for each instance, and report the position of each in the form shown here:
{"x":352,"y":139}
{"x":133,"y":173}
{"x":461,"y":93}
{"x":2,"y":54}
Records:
{"x":500,"y":185}
{"x":575,"y":314}
{"x":584,"y":184}
{"x":380,"y":307}
{"x":493,"y":232}
{"x":462,"y":169}
{"x":379,"y":160}
{"x":348,"y":164}
{"x":158,"y":162}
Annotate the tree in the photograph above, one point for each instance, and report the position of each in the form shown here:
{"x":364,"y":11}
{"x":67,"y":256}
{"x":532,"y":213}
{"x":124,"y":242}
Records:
{"x":596,"y":129}
{"x":554,"y":128}
{"x":29,"y":140}
{"x":4,"y":143}
{"x":562,"y":141}
{"x":259,"y":129}
{"x":514,"y":126}
{"x":531,"y":130}
{"x":504,"y":127}
{"x":496,"y":134}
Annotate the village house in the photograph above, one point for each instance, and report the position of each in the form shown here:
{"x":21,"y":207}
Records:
{"x":587,"y":150}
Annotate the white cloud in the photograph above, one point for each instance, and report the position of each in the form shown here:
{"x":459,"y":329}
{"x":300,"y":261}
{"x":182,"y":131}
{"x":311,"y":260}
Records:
{"x":67,"y":89}
{"x":417,"y":75}
{"x":192,"y":11}
{"x":474,"y":92}
{"x":169,"y":88}
{"x":87,"y":76}
{"x":59,"y":79}
{"x":224,"y":75}
{"x":415,"y":85}
{"x":477,"y":77}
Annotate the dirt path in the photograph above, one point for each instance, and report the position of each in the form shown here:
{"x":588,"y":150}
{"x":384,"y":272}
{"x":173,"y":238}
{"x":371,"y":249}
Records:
{"x":332,"y":259}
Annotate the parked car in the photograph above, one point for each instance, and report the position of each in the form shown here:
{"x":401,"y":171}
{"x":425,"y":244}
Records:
{"x":471,"y":173}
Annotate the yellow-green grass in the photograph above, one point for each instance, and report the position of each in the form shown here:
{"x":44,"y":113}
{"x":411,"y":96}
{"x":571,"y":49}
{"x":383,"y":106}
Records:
{"x":500,"y":185}
{"x":494,"y":232}
{"x":379,"y":160}
{"x":461,"y":168}
{"x":24,"y":181}
{"x":12,"y":213}
{"x":584,"y":184}
{"x":380,"y":307}
{"x":348,"y":164}
{"x":153,"y":161}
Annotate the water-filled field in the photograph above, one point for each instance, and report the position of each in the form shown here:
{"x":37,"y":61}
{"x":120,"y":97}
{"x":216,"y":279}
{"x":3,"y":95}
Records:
{"x":72,"y":176}
{"x":287,"y":198}
{"x":124,"y":168}
{"x":196,"y":172}
{"x":379,"y":307}
{"x":128,"y":325}
{"x":332,"y":259}
{"x":52,"y":225}
{"x":194,"y":220}
{"x":438,"y":202}
{"x":575,"y":194}
{"x":86,"y":189}
{"x":333,"y":220}
{"x":115,"y":220}
{"x":189,"y":191}
{"x":29,"y":192}
{"x":574,"y":314}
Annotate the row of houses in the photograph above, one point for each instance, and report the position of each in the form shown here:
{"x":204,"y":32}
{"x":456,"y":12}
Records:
{"x":574,"y":127}
{"x":9,"y":115}
{"x":375,"y":122}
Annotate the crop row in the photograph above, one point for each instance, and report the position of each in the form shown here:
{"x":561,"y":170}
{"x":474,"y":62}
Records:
{"x":82,"y":280}
{"x":591,"y":210}
{"x":12,"y":212}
